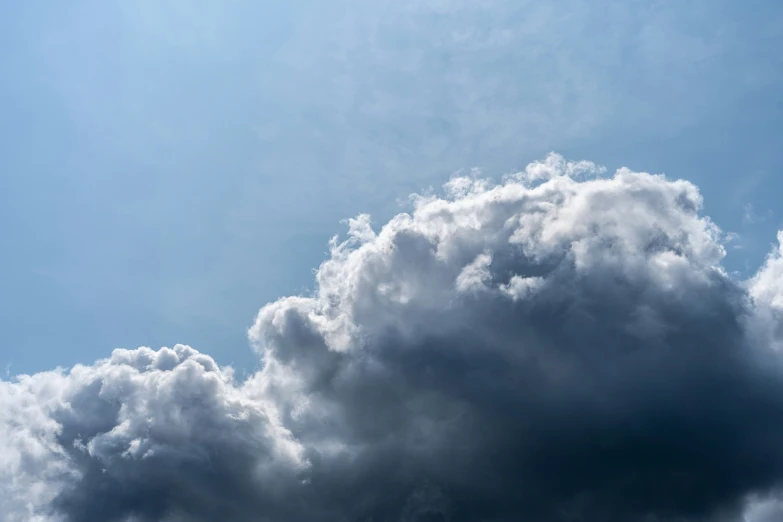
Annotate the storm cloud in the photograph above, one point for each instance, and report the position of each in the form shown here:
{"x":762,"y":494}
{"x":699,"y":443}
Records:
{"x":561,"y":346}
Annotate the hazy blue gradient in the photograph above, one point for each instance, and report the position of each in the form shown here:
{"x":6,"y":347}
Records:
{"x":167,"y":167}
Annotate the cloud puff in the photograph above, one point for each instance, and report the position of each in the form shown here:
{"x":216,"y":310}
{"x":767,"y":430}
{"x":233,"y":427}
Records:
{"x":767,"y":285}
{"x":561,"y":346}
{"x":150,"y":435}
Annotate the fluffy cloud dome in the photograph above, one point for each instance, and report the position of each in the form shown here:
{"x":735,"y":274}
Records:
{"x":561,"y":346}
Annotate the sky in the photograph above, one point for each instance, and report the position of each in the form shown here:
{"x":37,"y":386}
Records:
{"x":400,"y":261}
{"x":169,"y":167}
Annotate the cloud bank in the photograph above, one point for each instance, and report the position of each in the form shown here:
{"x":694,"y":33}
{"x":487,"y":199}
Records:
{"x":561,"y":346}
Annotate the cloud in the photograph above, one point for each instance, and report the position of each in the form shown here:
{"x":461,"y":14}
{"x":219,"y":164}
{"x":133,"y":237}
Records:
{"x":155,"y":435}
{"x":561,"y":346}
{"x":767,"y":285}
{"x":764,"y":510}
{"x":750,"y":216}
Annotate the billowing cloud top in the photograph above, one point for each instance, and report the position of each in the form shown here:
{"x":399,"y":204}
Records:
{"x":562,"y":346}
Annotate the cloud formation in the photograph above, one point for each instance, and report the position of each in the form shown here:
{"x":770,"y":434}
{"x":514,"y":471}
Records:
{"x":562,"y":346}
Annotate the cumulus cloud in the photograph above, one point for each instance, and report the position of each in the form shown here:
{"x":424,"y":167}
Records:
{"x":767,"y":285}
{"x":143,"y":435}
{"x":562,"y":346}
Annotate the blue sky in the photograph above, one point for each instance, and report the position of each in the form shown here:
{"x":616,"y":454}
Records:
{"x":167,"y":168}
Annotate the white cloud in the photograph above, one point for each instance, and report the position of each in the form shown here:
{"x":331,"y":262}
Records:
{"x":474,"y":276}
{"x":766,"y":286}
{"x":555,"y":165}
{"x":520,"y":287}
{"x":138,"y":420}
{"x":553,"y":344}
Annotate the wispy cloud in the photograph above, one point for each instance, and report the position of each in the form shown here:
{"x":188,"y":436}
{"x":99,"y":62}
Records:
{"x":751,"y":217}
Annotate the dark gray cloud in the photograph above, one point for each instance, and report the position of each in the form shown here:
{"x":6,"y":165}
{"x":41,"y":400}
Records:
{"x":562,"y":346}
